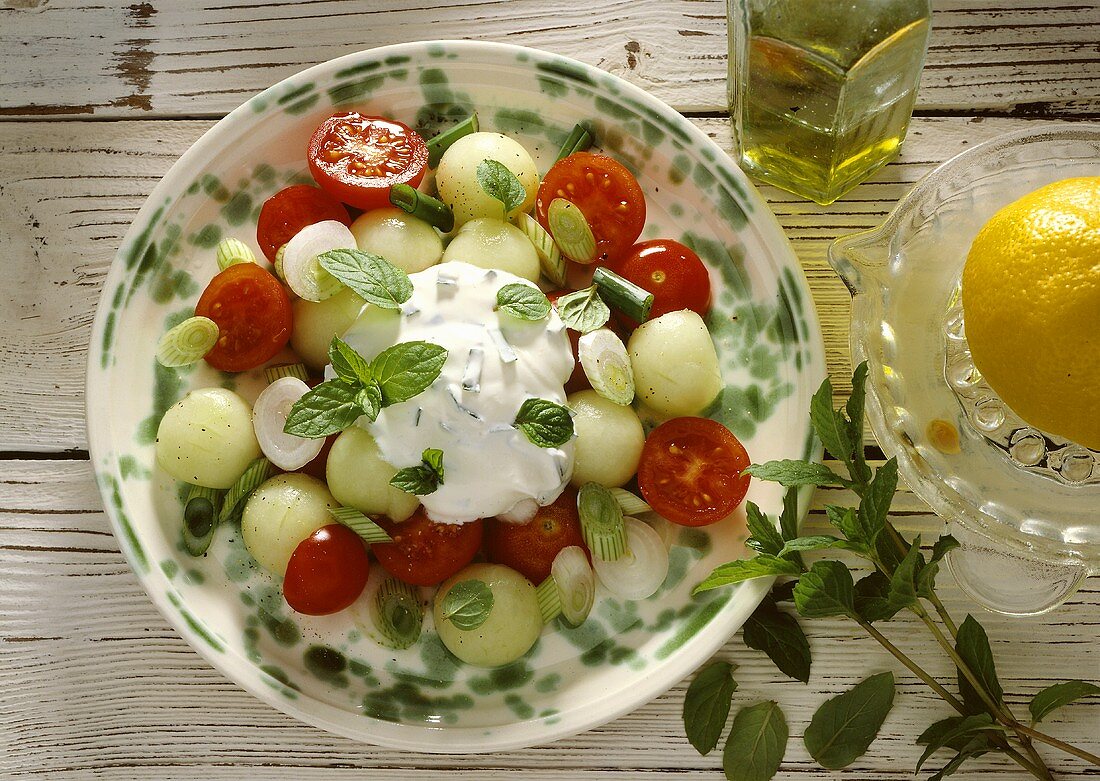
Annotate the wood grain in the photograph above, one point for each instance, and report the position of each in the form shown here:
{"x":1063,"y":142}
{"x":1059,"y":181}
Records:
{"x":202,"y":58}
{"x":95,"y":684}
{"x":59,"y":232}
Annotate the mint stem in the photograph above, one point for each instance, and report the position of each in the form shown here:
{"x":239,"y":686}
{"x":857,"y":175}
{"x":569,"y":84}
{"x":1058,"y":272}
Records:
{"x":1080,"y":753}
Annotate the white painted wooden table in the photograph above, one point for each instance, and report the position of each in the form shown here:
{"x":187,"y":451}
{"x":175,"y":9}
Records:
{"x":99,"y":100}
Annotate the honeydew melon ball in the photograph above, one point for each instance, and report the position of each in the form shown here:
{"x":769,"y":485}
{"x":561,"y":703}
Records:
{"x":609,"y":440}
{"x":280,"y":514}
{"x":456,"y":177}
{"x":490,"y":243}
{"x":405,"y":241}
{"x":206,"y":438}
{"x":359,"y":477}
{"x":316,"y":322}
{"x":675,"y":365}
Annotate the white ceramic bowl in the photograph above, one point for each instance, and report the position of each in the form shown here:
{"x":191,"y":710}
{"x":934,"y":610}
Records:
{"x":321,"y":670}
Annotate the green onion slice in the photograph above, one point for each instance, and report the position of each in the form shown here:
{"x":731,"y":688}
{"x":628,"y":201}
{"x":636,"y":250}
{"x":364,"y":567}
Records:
{"x":360,"y":524}
{"x":232,"y":252}
{"x":398,"y":613}
{"x":200,"y":518}
{"x":187,"y":342}
{"x":550,"y":259}
{"x":630,"y":503}
{"x":432,"y":210}
{"x":601,"y":522}
{"x":278,"y":264}
{"x":296,"y":370}
{"x":576,"y":584}
{"x":579,"y":140}
{"x":256,"y":473}
{"x":549,"y":599}
{"x":633,"y":301}
{"x":607,"y":366}
{"x":571,"y":231}
{"x":440,"y":143}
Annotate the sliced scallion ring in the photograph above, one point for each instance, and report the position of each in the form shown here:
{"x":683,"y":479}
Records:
{"x":200,"y":518}
{"x":278,"y":264}
{"x":549,"y":599}
{"x":297,"y":370}
{"x":269,"y":414}
{"x":389,"y":612}
{"x":606,"y":364}
{"x":550,"y":259}
{"x":631,"y":504}
{"x":641,"y":570}
{"x":571,"y":231}
{"x":601,"y":522}
{"x":233,"y":251}
{"x":187,"y":342}
{"x":256,"y":473}
{"x":301,"y":269}
{"x":576,"y":584}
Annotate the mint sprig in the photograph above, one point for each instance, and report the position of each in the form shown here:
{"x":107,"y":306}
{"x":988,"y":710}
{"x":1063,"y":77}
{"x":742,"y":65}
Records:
{"x":902,"y":580}
{"x":424,"y":478}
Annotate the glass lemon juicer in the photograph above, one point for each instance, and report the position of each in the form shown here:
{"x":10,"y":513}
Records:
{"x":1025,"y":505}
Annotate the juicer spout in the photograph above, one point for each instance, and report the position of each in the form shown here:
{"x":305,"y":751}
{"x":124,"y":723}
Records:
{"x":859,"y":259}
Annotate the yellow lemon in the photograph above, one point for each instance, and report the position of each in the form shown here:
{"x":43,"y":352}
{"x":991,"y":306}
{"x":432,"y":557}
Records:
{"x":1031,"y":303}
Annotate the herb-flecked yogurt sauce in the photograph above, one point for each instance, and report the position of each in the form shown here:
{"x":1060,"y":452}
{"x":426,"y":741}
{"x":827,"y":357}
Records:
{"x":494,"y":363}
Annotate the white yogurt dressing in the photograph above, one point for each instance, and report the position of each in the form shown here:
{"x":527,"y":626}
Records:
{"x":494,"y":363}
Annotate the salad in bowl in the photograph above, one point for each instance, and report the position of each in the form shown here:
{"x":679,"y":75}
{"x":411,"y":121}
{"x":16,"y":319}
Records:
{"x":451,"y":395}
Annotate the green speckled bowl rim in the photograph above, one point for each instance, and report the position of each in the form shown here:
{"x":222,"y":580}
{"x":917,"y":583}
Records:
{"x":413,"y":737}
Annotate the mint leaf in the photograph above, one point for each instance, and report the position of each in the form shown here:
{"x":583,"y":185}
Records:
{"x":468,"y":604}
{"x":788,"y":519}
{"x":974,"y":748}
{"x":972,"y":645}
{"x":424,"y":478}
{"x":407,"y":369}
{"x":903,"y":583}
{"x":369,"y":398}
{"x":523,"y":302}
{"x":763,"y":536}
{"x":819,"y":542}
{"x":746,"y":569}
{"x":324,"y":410}
{"x":779,"y":635}
{"x":944,"y":545}
{"x":874,"y":507}
{"x":349,"y":365}
{"x":756,"y":743}
{"x":955,"y":732}
{"x":844,"y":726}
{"x":830,"y":425}
{"x":1057,"y":695}
{"x":826,"y":590}
{"x":583,"y":311}
{"x":871,"y":601}
{"x":707,"y":705}
{"x":372,"y":277}
{"x":545,"y":423}
{"x":500,"y":183}
{"x":854,"y":407}
{"x":793,"y":473}
{"x":845,"y":519}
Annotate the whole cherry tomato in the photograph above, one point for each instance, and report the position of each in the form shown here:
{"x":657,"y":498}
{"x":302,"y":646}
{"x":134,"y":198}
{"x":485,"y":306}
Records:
{"x":425,"y":553}
{"x":357,"y":158}
{"x":530,"y":548}
{"x":690,"y":471}
{"x":327,"y":571}
{"x":671,"y":272}
{"x":253,"y":314}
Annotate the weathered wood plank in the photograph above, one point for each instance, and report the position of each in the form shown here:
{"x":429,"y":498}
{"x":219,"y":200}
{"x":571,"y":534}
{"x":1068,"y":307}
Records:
{"x":94,"y":683}
{"x":201,"y":58}
{"x":58,"y":233}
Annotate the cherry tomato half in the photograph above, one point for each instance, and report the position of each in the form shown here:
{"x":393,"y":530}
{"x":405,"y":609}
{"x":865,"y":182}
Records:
{"x":530,"y":548}
{"x":289,"y":210}
{"x":327,"y":571}
{"x":356,"y":158}
{"x":671,"y":272}
{"x":253,"y":314}
{"x":425,"y":553}
{"x":690,"y":471}
{"x":607,"y":194}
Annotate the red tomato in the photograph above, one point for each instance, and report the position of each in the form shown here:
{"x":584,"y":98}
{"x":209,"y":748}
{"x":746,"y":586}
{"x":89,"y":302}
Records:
{"x":425,"y":553}
{"x":289,"y":210}
{"x":530,"y":548}
{"x":690,"y":471}
{"x":327,"y":571}
{"x":578,"y":380}
{"x":607,"y":194}
{"x":356,"y":158}
{"x":671,"y":272}
{"x":253,"y":314}
{"x":318,"y":466}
